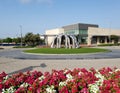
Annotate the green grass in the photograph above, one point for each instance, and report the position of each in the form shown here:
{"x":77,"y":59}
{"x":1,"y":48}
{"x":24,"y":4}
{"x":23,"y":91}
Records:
{"x":65,"y":51}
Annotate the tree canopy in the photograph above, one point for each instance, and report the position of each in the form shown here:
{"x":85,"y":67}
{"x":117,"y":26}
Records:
{"x":7,"y":40}
{"x":29,"y":39}
{"x":32,"y":39}
{"x":114,"y":38}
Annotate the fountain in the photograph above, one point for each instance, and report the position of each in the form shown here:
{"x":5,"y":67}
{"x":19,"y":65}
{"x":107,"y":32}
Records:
{"x":64,"y":40}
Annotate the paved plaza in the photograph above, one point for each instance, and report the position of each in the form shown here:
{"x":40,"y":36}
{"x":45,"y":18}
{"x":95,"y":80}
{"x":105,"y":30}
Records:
{"x":11,"y":64}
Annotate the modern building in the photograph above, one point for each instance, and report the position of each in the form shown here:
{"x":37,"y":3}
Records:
{"x":86,"y":33}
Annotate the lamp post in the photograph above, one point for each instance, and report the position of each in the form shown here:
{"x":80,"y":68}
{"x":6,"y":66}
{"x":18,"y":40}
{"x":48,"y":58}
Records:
{"x":110,"y":33}
{"x":21,"y":35}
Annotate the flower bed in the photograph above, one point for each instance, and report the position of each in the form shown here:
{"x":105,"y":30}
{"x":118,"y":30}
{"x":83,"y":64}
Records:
{"x":105,"y":80}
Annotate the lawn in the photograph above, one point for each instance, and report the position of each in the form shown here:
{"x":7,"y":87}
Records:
{"x":65,"y":51}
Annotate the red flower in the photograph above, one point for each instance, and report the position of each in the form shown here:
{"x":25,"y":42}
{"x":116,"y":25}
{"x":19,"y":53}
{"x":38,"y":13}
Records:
{"x":1,"y":86}
{"x":74,"y":89}
{"x":77,"y":82}
{"x":84,"y":90}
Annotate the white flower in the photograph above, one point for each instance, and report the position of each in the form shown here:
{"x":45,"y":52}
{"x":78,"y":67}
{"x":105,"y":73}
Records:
{"x":117,"y":70}
{"x":65,"y":71}
{"x":24,"y":85}
{"x":94,"y":88}
{"x":80,"y":73}
{"x":110,"y":72}
{"x":50,"y":89}
{"x":41,"y":78}
{"x":98,"y":75}
{"x":69,"y":77}
{"x":101,"y":78}
{"x":9,"y":90}
{"x":62,"y":83}
{"x":5,"y":78}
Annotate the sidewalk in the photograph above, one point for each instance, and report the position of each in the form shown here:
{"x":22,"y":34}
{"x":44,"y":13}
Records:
{"x":6,"y":47}
{"x":11,"y":66}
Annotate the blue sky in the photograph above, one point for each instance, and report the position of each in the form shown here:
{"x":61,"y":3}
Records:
{"x":39,"y":15}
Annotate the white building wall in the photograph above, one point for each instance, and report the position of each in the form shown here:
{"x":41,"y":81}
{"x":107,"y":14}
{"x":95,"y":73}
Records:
{"x":101,"y":32}
{"x":92,"y":31}
{"x":52,"y":33}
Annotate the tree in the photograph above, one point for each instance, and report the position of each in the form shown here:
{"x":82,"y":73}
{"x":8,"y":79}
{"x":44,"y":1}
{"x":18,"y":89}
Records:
{"x":114,"y":38}
{"x":17,"y":40}
{"x":7,"y":40}
{"x":32,"y":39}
{"x":36,"y":39}
{"x":28,"y":39}
{"x":0,"y":40}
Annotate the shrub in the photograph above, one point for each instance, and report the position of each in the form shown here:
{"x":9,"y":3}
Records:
{"x":116,"y":44}
{"x":79,"y":80}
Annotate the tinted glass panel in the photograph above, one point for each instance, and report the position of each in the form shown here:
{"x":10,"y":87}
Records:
{"x":72,"y":32}
{"x":83,"y":32}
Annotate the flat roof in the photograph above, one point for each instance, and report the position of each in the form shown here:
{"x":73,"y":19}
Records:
{"x":79,"y":26}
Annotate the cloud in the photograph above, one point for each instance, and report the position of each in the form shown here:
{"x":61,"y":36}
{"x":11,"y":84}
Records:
{"x":36,"y":1}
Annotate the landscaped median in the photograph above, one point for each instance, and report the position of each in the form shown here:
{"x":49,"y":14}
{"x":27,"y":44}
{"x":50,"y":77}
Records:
{"x":78,"y":80}
{"x":65,"y":51}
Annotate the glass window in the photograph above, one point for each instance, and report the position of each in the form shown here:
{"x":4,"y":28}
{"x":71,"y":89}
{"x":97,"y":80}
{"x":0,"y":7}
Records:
{"x":72,"y":32}
{"x":82,"y":39}
{"x":82,"y":31}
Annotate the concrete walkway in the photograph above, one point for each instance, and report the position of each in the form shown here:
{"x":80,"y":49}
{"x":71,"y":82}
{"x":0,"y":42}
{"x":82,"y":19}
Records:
{"x":11,"y":66}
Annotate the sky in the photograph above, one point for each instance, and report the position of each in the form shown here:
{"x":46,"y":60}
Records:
{"x":36,"y":16}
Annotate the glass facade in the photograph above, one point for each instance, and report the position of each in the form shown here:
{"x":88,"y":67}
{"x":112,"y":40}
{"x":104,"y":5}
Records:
{"x":83,"y":31}
{"x":82,"y":39}
{"x":72,"y":32}
{"x":81,"y":35}
{"x":79,"y":30}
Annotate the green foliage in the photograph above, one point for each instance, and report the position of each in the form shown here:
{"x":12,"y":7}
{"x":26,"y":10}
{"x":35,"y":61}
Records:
{"x":29,"y":39}
{"x":10,"y":40}
{"x":114,"y":38}
{"x":17,"y":40}
{"x":65,"y":51}
{"x":32,"y":39}
{"x":117,"y":44}
{"x":0,"y":40}
{"x":7,"y":40}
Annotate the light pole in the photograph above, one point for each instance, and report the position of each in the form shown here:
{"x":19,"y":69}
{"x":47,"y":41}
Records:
{"x":110,"y":33}
{"x":21,"y":35}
